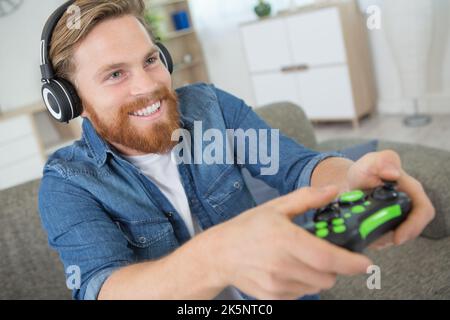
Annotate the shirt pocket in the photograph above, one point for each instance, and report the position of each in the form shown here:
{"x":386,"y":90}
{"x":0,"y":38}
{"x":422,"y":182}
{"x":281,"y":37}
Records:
{"x":228,"y":194}
{"x":149,"y":239}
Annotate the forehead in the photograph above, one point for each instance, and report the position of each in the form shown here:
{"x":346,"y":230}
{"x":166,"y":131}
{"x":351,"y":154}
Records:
{"x":116,"y":40}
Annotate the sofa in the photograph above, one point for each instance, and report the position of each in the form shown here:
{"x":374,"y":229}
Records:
{"x":420,"y":269}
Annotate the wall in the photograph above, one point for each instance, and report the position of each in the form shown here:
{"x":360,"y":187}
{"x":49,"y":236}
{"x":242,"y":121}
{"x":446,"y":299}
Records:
{"x":20,"y":35}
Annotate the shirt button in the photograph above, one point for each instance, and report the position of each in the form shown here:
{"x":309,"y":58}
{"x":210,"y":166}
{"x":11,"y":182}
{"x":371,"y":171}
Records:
{"x":142,"y":239}
{"x":237,"y":184}
{"x":169,"y":214}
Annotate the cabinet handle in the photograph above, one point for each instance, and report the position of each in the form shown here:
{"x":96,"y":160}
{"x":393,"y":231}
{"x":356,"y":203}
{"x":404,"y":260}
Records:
{"x":295,"y":68}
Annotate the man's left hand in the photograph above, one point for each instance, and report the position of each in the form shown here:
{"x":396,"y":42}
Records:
{"x":370,"y":171}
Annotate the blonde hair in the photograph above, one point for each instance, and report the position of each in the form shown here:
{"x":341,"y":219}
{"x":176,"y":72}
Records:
{"x":65,"y":39}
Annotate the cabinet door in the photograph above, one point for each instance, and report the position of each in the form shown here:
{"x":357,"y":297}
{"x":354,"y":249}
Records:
{"x":326,"y":93}
{"x":275,"y":87}
{"x":316,"y":38}
{"x":266,"y":45}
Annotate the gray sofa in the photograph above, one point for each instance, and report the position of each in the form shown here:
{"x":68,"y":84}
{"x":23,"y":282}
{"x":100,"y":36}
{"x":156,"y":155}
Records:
{"x":417,"y":270}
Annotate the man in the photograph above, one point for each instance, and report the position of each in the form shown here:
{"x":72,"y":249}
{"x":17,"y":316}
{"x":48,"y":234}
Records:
{"x":140,"y":226}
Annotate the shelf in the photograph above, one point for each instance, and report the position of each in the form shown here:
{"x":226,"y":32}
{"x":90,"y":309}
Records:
{"x":184,"y":65}
{"x":177,"y":34}
{"x":153,"y":4}
{"x":27,"y":110}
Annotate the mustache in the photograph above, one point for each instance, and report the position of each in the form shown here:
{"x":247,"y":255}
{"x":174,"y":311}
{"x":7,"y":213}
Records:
{"x":142,"y":102}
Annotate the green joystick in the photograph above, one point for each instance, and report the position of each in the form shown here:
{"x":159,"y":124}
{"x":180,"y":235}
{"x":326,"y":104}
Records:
{"x":351,"y":197}
{"x":359,"y":218}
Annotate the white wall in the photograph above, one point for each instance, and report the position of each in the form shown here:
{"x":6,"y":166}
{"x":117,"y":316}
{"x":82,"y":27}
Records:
{"x":392,"y":98}
{"x":217,"y":22}
{"x":20,"y":35}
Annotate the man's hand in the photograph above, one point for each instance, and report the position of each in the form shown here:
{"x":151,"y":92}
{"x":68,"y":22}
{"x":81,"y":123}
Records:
{"x":267,"y":256}
{"x":370,"y":170}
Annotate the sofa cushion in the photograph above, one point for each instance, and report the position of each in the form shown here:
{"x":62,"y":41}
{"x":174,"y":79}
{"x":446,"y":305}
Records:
{"x":418,"y":269}
{"x":291,"y":120}
{"x":28,"y":268}
{"x":430,"y":166}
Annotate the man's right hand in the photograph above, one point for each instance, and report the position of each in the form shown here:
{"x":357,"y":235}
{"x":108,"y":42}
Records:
{"x":264,"y":254}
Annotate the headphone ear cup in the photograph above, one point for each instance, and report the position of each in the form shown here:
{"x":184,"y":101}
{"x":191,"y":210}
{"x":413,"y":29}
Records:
{"x":165,"y":56}
{"x":61,"y":100}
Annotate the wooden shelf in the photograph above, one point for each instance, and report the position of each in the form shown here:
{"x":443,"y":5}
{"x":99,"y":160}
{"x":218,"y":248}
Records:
{"x":177,"y":34}
{"x":27,"y":110}
{"x":153,"y":4}
{"x":184,"y":65}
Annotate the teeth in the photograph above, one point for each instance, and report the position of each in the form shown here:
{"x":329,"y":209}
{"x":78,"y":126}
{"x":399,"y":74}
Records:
{"x":148,"y":110}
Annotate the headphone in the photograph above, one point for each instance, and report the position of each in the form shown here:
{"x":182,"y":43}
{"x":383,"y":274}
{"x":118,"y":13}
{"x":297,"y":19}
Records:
{"x":59,"y":95}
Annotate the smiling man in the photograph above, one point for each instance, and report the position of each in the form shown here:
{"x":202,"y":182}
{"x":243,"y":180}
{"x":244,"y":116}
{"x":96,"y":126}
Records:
{"x":138,"y":226}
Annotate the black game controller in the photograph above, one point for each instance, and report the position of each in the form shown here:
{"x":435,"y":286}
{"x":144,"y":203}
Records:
{"x":358,"y":218}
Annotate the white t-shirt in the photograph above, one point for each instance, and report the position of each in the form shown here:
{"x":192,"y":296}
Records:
{"x":162,"y":170}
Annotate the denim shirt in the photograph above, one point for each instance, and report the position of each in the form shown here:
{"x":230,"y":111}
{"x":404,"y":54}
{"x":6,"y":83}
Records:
{"x":101,"y":213}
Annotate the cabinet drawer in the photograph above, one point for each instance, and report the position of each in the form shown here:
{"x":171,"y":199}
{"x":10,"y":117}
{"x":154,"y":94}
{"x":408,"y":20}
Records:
{"x":326,"y":93}
{"x":13,"y":128}
{"x":21,"y":172}
{"x":275,"y":87}
{"x":17,"y":150}
{"x":316,"y":38}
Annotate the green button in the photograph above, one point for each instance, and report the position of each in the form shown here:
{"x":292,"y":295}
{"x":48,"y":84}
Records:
{"x":339,"y":229}
{"x":367,"y":203}
{"x":379,"y":218}
{"x":358,"y":209}
{"x":322,"y":233}
{"x":321,"y":225}
{"x":347,"y":215}
{"x":351,"y":196}
{"x":337,"y":221}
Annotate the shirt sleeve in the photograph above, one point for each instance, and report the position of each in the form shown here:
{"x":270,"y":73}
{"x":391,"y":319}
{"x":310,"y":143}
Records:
{"x":82,"y":233}
{"x":291,"y":165}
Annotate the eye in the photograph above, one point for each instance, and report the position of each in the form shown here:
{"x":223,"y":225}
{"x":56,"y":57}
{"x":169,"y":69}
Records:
{"x":152,"y":60}
{"x":115,"y":75}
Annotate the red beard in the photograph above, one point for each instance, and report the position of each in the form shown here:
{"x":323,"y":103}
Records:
{"x":120,"y":129}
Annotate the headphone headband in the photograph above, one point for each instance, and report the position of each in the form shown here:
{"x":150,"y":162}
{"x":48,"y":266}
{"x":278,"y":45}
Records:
{"x":47,"y":71}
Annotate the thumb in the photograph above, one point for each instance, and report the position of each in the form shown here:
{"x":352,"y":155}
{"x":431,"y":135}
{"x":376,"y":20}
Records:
{"x":302,"y":200}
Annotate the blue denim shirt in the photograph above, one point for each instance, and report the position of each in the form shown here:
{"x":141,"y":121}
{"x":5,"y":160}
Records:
{"x":101,"y":213}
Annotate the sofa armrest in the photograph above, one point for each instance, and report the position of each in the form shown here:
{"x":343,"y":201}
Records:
{"x":430,"y":166}
{"x":291,"y":120}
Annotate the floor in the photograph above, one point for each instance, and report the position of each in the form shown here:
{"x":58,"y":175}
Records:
{"x":391,"y":127}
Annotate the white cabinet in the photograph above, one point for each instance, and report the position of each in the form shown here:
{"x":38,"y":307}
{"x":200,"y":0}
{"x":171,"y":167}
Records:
{"x":27,"y":137}
{"x":316,"y":57}
{"x":20,"y":156}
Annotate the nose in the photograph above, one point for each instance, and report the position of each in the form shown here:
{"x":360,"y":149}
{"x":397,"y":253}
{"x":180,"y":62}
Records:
{"x":142,"y":83}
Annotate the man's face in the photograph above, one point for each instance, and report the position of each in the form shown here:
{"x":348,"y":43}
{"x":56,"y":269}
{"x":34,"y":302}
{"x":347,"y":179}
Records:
{"x":125,"y":89}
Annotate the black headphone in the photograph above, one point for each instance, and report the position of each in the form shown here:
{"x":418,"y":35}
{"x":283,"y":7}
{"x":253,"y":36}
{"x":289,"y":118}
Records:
{"x":60,"y":96}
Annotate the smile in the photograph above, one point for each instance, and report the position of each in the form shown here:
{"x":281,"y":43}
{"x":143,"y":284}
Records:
{"x":148,"y":111}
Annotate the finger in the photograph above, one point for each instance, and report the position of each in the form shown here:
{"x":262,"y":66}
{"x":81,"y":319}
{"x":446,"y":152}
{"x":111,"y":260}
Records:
{"x":422,"y":210}
{"x":287,"y":290}
{"x":385,"y":241}
{"x":326,"y":257}
{"x":302,"y":200}
{"x":375,"y":167}
{"x":300,"y":272}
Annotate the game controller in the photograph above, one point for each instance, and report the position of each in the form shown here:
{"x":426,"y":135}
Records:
{"x":358,"y":218}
